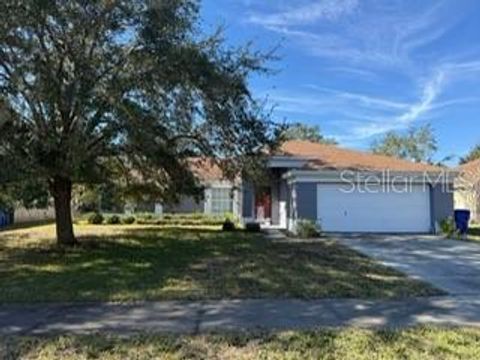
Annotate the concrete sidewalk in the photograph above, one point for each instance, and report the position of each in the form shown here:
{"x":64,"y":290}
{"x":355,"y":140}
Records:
{"x":197,"y":317}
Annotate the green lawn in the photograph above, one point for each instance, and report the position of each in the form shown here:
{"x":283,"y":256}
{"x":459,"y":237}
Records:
{"x":127,"y":263}
{"x":416,"y":343}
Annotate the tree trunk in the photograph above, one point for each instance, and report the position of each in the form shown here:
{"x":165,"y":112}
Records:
{"x":62,"y":194}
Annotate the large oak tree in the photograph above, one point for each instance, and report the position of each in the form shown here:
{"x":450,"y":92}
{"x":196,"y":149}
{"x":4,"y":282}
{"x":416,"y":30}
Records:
{"x":129,"y":90}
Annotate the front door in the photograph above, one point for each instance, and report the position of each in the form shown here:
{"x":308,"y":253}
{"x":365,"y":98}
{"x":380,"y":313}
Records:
{"x":263,"y":204}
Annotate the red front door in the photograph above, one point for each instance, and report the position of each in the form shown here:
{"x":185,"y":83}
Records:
{"x":263,"y":204}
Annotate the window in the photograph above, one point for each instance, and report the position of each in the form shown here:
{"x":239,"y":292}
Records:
{"x":221,"y":200}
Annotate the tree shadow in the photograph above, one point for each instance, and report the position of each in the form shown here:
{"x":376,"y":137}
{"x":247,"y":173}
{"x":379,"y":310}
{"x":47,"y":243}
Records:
{"x":165,"y":264}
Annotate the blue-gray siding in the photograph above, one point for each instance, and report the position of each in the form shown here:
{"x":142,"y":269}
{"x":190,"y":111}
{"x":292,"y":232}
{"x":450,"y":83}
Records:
{"x":247,"y":200}
{"x":441,"y":201}
{"x":306,"y":198}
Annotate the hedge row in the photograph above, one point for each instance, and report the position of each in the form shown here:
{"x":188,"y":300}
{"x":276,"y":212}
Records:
{"x":165,"y":220}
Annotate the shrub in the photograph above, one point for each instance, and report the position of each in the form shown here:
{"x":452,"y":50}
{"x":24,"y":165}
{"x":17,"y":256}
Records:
{"x":95,"y":219}
{"x":113,"y":220}
{"x":448,"y":227}
{"x":307,"y":229}
{"x":195,"y":219}
{"x":228,"y":225}
{"x":128,"y":220}
{"x":252,"y":227}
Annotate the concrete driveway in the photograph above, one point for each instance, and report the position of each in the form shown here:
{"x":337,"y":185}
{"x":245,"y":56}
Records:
{"x":450,"y":265}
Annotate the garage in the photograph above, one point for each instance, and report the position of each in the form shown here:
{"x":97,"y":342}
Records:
{"x":347,"y":208}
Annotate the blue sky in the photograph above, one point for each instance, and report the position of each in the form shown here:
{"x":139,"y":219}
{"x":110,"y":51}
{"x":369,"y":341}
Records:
{"x":359,"y":68}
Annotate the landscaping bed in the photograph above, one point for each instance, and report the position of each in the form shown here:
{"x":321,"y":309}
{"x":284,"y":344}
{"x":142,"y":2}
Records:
{"x":143,"y":262}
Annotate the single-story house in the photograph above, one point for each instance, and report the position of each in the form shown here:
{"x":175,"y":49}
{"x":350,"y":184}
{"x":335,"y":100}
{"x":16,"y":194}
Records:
{"x":341,"y":190}
{"x":467,"y":189}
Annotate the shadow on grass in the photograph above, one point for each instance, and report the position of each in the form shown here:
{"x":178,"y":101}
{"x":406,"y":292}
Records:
{"x":174,"y":263}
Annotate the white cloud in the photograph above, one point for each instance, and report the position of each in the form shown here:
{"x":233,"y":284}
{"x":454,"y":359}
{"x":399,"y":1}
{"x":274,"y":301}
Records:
{"x":368,"y":39}
{"x":353,"y":71}
{"x":375,"y":34}
{"x":367,"y":101}
{"x":359,"y":117}
{"x":431,"y":90}
{"x":307,"y":14}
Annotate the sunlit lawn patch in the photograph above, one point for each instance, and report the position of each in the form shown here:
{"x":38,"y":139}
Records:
{"x":415,"y":343}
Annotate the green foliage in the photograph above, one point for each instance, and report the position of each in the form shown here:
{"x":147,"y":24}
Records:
{"x":195,"y":219}
{"x":104,"y":197}
{"x":307,"y":229}
{"x":252,"y":227}
{"x":30,"y":193}
{"x":299,"y":131}
{"x":417,"y":144}
{"x":126,"y":90}
{"x":113,"y":220}
{"x":228,"y":225}
{"x":473,"y":154}
{"x":448,"y":227}
{"x":87,"y":199}
{"x":96,"y":219}
{"x":128,"y":220}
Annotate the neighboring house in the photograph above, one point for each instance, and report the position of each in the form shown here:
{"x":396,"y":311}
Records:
{"x":467,"y":189}
{"x":342,"y":190}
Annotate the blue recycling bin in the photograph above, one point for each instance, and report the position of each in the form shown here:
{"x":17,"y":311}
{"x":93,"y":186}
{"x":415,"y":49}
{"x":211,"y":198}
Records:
{"x":3,"y":219}
{"x":462,"y":218}
{"x":6,"y":218}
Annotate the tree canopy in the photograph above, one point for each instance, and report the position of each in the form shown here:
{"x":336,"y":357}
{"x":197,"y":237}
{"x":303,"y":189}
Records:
{"x":300,"y":131}
{"x":472,"y":155}
{"x":123,"y":89}
{"x":417,"y":144}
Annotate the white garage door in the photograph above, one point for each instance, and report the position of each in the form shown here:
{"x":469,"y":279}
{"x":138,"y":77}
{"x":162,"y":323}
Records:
{"x":339,"y":209}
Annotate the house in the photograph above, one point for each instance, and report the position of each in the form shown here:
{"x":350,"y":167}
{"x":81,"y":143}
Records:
{"x":467,"y":188}
{"x":341,"y":190}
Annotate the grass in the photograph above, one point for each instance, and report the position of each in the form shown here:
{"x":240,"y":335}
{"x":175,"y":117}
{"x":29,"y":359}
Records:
{"x":129,"y":263}
{"x":474,"y":232}
{"x":414,"y":343}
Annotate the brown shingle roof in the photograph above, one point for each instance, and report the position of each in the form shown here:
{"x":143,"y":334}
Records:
{"x":331,"y":157}
{"x":470,"y":171}
{"x":205,"y":169}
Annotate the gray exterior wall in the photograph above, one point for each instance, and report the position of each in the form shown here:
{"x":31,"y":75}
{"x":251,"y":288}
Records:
{"x":275,"y":202}
{"x":247,"y":200}
{"x":441,"y":202}
{"x":306,"y":201}
{"x":185,"y":206}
